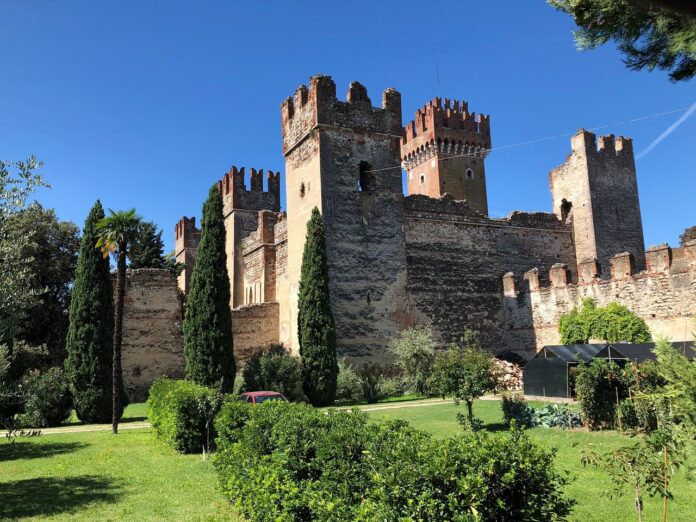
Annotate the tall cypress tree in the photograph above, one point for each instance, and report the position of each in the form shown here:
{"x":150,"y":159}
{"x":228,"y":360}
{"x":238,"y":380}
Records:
{"x":89,"y":342}
{"x":316,"y":329}
{"x":208,"y":318}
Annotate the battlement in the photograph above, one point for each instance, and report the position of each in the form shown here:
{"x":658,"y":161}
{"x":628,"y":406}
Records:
{"x":588,"y":143}
{"x":448,"y":128}
{"x":236,"y":195}
{"x":661,"y":260}
{"x":186,"y":235}
{"x":318,"y":105}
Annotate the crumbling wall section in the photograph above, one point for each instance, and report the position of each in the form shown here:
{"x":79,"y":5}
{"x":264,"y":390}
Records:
{"x":152,"y":337}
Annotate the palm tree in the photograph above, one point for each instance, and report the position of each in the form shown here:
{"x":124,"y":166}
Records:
{"x":116,"y":233}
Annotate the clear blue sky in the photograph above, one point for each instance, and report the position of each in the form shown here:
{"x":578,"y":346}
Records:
{"x":145,"y":104}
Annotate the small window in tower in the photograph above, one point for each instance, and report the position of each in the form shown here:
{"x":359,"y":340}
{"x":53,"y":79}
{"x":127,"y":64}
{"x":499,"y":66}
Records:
{"x":422,"y":179}
{"x":367,"y":178}
{"x":445,"y":122}
{"x":469,"y":174}
{"x":566,"y":207}
{"x":302,"y":190}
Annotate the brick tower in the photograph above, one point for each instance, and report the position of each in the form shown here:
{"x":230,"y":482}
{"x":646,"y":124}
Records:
{"x":597,"y":191}
{"x":186,"y":238}
{"x":443,"y":151}
{"x":343,"y":157}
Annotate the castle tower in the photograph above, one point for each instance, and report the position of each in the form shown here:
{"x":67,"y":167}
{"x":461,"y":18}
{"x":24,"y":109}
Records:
{"x":443,"y":151}
{"x":343,"y":158}
{"x":186,"y":238}
{"x":241,"y":208}
{"x":596,"y":189}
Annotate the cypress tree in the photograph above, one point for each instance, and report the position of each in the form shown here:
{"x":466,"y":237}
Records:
{"x":316,"y":329}
{"x":208,"y":318}
{"x":89,"y":343}
{"x":147,"y":251}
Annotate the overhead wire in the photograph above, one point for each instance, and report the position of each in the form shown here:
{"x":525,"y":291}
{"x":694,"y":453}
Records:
{"x":548,"y":138}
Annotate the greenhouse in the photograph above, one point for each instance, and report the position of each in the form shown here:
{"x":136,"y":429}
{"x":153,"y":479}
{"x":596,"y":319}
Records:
{"x":550,"y":373}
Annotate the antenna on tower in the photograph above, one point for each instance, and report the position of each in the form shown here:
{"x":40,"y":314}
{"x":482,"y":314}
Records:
{"x":437,"y":78}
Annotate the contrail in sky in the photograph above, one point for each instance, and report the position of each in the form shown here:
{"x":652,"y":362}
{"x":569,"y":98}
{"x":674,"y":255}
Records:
{"x":669,"y":131}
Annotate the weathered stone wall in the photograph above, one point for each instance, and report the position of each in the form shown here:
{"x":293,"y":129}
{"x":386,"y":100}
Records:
{"x":456,"y":259}
{"x":664,"y":296}
{"x":152,"y":336}
{"x":336,"y":153}
{"x":253,"y":326}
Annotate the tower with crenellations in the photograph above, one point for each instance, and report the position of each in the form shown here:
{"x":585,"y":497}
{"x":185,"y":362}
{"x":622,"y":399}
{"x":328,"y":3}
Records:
{"x":444,"y":151}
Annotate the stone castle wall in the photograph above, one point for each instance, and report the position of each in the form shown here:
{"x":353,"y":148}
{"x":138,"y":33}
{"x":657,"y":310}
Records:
{"x":152,"y":338}
{"x":253,"y":326}
{"x":456,"y":258}
{"x":664,"y":296}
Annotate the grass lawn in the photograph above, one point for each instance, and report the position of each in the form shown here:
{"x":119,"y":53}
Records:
{"x":132,"y":476}
{"x":589,"y":484}
{"x":99,"y":476}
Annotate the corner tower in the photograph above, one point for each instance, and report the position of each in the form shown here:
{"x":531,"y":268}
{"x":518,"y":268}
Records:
{"x":443,"y":151}
{"x":343,"y":158}
{"x":596,"y":190}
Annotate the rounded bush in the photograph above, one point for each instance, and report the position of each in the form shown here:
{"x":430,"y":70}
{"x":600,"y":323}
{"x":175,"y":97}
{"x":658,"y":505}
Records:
{"x":47,"y":400}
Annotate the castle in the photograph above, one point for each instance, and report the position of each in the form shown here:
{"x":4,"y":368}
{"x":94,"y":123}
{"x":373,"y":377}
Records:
{"x":434,"y":257}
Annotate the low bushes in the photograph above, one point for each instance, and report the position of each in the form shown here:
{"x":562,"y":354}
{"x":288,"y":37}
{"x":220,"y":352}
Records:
{"x":279,"y":461}
{"x":182,"y":414}
{"x":274,"y":369}
{"x":550,"y":416}
{"x":348,"y":384}
{"x":46,"y":398}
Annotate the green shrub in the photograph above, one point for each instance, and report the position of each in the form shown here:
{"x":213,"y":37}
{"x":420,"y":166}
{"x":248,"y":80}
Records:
{"x":273,"y":369}
{"x":232,"y":417}
{"x":626,"y":416}
{"x":599,"y":386}
{"x":612,"y":323}
{"x":649,"y":402}
{"x":515,"y":407}
{"x":415,"y":353}
{"x":182,"y":414}
{"x":556,"y":416}
{"x":378,"y":382}
{"x":47,"y":399}
{"x":348,"y":384}
{"x":292,"y":462}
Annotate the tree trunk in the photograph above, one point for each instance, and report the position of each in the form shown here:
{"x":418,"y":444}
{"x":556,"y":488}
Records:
{"x":117,"y":378}
{"x":470,"y":409}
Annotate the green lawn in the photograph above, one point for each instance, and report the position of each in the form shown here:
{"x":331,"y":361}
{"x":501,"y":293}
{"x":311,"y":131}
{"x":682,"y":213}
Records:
{"x":589,"y":484}
{"x":98,"y":476}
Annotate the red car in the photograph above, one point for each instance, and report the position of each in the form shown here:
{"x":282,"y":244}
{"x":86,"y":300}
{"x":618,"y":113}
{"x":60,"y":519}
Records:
{"x":258,"y":397}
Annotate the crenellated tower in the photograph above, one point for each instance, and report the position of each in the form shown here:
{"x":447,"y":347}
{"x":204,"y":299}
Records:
{"x":443,"y":151}
{"x":596,"y":190}
{"x":186,"y":238}
{"x":343,"y":158}
{"x":241,"y":208}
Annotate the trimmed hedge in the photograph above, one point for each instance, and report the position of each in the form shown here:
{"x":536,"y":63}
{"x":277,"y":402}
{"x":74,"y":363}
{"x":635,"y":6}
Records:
{"x":279,"y":461}
{"x":182,"y":414}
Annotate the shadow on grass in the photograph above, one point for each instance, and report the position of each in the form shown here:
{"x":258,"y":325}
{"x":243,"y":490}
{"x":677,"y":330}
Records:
{"x":496,"y":426}
{"x":51,"y":496}
{"x":36,"y":450}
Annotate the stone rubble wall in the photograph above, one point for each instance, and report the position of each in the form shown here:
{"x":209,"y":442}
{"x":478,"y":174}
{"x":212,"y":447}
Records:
{"x":153,"y":344}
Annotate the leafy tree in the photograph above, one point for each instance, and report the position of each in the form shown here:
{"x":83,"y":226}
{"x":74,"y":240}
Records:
{"x":273,"y":368}
{"x":612,"y":323}
{"x":688,"y":235}
{"x":18,"y":180}
{"x":465,"y":374}
{"x":116,"y":233}
{"x":599,"y":387}
{"x":316,"y":329}
{"x":208,"y":318}
{"x":147,"y":250}
{"x":89,"y":342}
{"x":648,"y":34}
{"x":415,"y":352}
{"x":50,"y":252}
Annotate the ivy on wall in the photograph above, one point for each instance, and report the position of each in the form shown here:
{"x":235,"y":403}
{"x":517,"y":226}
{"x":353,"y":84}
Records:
{"x":612,"y":323}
